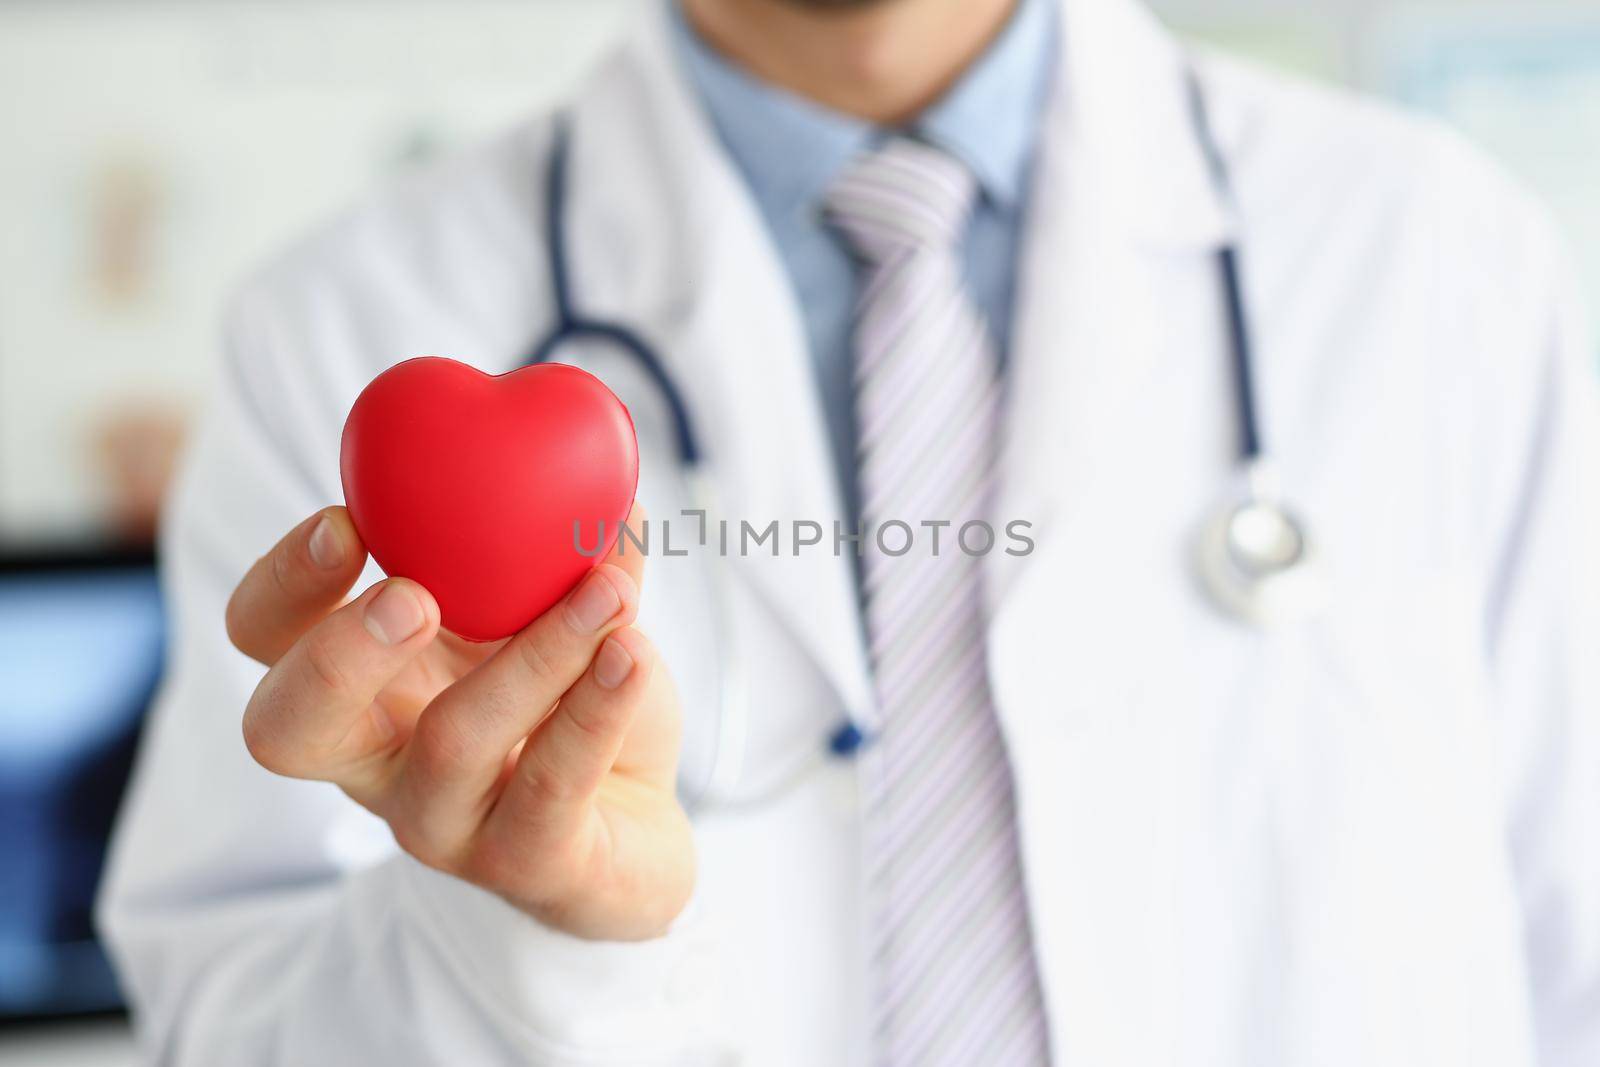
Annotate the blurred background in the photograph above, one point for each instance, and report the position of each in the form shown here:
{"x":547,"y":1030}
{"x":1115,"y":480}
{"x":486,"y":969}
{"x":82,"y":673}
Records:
{"x":154,"y":149}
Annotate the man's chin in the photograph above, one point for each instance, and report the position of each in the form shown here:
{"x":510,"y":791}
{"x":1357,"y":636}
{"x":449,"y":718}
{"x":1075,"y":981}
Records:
{"x":834,"y":5}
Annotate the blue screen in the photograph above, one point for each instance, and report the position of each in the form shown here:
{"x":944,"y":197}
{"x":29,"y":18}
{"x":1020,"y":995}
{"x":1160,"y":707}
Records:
{"x":80,"y":655}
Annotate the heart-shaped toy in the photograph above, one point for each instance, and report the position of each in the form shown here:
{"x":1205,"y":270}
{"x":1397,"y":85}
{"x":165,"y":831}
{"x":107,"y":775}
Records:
{"x":472,"y":484}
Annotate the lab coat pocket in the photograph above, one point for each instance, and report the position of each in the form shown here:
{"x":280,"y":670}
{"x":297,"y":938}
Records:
{"x":1397,"y":887}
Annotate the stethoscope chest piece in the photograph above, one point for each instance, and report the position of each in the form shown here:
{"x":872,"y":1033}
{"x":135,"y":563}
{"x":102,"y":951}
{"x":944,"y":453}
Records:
{"x":1258,"y":563}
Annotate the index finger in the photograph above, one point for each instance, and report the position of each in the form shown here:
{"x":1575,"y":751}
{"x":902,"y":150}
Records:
{"x":463,"y":737}
{"x":295,"y":585}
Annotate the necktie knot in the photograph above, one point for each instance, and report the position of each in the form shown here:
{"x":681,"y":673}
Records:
{"x":904,"y":197}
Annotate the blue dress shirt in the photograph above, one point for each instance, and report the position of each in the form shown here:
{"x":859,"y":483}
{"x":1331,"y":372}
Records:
{"x":789,"y":149}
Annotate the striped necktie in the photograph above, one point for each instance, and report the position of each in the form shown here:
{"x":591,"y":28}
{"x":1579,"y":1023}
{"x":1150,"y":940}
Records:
{"x":952,"y":953}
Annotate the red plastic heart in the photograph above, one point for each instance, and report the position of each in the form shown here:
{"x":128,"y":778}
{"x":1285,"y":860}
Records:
{"x":483,"y":487}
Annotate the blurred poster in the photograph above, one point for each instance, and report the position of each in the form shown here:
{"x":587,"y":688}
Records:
{"x":1524,"y":84}
{"x":153,"y":152}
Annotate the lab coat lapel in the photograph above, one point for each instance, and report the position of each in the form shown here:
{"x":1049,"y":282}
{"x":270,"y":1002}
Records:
{"x":1120,"y":187}
{"x":1122,"y":210}
{"x":666,"y":235}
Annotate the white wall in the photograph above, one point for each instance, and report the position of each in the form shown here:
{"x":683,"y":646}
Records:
{"x":153,"y":150}
{"x":1522,"y":79}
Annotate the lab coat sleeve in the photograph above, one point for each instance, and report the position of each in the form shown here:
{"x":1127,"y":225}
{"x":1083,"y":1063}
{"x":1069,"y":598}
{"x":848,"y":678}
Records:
{"x":1544,"y":644}
{"x":258,"y":920}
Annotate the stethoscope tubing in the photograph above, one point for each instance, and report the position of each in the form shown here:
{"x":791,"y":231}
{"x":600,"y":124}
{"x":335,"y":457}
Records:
{"x":724,"y":784}
{"x":1241,"y":346}
{"x":571,"y":326}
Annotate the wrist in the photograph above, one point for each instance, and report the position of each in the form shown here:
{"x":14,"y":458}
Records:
{"x":640,"y":905}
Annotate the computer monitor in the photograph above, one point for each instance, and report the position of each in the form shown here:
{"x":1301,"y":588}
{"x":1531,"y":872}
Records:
{"x":81,"y":646}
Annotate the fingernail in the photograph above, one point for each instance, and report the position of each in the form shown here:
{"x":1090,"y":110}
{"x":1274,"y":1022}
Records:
{"x":612,"y":665}
{"x":326,"y":549}
{"x":394,"y":615}
{"x":593,"y":604}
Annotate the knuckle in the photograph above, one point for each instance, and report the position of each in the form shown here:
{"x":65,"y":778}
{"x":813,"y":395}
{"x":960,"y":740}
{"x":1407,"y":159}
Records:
{"x":437,"y":752}
{"x":538,"y":659}
{"x":281,"y":568}
{"x":597,"y":723}
{"x":545,"y":781}
{"x":264,"y":741}
{"x":323,"y":664}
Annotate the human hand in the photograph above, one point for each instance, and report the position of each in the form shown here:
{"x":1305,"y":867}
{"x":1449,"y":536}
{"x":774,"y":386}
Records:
{"x":542,"y":767}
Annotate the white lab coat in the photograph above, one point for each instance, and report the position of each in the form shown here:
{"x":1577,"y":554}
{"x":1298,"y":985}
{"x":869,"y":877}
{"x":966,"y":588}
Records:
{"x":1372,"y":838}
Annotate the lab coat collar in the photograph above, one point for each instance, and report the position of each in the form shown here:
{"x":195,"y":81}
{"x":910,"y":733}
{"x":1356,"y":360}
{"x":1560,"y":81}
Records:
{"x":990,"y":118}
{"x":1122,"y":188}
{"x":1121,"y":111}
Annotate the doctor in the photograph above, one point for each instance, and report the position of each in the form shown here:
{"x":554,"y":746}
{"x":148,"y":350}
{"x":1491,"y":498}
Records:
{"x":1100,"y":822}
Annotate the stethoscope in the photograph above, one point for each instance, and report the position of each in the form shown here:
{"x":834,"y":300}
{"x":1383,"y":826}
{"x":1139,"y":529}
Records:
{"x":1253,"y":556}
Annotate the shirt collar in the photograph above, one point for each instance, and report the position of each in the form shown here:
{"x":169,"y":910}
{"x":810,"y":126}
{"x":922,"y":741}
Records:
{"x":988,"y":119}
{"x":790,"y":148}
